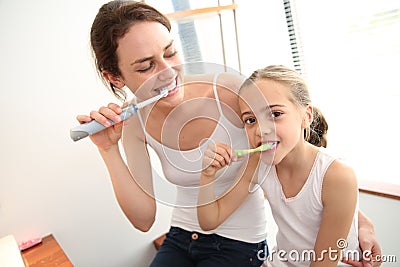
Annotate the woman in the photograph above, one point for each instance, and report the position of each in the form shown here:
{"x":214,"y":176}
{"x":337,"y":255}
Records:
{"x":133,"y":49}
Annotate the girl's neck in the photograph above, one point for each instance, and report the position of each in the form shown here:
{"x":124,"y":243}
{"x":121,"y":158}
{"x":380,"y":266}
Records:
{"x":299,"y":160}
{"x":295,"y":169}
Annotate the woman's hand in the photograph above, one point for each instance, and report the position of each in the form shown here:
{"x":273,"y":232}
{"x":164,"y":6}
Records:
{"x":370,"y":247}
{"x":109,"y":137}
{"x":368,"y":243}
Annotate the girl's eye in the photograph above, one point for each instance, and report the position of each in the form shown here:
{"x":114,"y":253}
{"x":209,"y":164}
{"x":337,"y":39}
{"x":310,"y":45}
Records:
{"x":275,"y":114}
{"x":250,"y":120}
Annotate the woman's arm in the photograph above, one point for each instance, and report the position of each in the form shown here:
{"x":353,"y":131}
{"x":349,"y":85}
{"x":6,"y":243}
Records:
{"x":137,"y":198}
{"x":339,"y":197}
{"x":368,"y":242}
{"x":212,"y":212}
{"x":137,"y":204}
{"x":133,"y":197}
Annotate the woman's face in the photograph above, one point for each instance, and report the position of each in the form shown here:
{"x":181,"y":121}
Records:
{"x":148,"y":61}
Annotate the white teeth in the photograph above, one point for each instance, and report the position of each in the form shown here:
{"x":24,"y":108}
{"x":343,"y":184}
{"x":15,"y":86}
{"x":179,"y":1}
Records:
{"x":273,"y":144}
{"x":171,"y":86}
{"x":164,"y":92}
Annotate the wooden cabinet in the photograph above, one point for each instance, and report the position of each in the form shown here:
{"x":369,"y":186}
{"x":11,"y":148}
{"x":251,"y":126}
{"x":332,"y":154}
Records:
{"x":48,"y":253}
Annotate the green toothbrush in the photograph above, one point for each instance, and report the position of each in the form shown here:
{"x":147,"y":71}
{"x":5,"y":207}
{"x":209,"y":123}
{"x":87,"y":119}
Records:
{"x":264,"y":147}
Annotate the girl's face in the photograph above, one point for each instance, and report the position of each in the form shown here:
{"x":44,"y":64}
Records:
{"x":148,"y":61}
{"x":270,"y":117}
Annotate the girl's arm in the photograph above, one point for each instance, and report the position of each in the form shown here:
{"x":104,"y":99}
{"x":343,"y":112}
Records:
{"x":212,"y":212}
{"x":133,"y":195}
{"x":339,"y":198}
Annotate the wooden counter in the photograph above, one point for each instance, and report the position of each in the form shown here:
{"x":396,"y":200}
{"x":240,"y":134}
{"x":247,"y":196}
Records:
{"x":48,"y":253}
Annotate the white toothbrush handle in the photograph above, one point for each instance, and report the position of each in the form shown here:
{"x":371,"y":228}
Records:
{"x":84,"y":130}
{"x":89,"y":128}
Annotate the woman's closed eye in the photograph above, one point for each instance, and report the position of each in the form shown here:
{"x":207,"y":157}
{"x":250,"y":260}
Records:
{"x":172,"y":54}
{"x":151,"y":64}
{"x":146,"y":68}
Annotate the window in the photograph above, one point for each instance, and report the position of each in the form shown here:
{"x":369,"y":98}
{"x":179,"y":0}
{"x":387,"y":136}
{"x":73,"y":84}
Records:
{"x":351,"y":55}
{"x":205,"y":31}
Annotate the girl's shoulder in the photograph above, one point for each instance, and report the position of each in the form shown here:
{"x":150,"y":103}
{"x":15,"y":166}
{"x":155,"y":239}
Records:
{"x":339,"y":175}
{"x":339,"y":165}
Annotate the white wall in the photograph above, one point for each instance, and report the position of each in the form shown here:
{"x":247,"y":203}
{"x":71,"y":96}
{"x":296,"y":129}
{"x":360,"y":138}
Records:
{"x":384,"y":213}
{"x":48,"y":183}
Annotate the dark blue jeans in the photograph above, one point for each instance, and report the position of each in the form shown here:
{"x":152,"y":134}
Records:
{"x":182,"y":248}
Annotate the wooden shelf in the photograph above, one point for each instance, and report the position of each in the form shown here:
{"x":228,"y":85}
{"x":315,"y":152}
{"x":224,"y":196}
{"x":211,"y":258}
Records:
{"x":48,"y":253}
{"x":379,"y":189}
{"x":188,"y":14}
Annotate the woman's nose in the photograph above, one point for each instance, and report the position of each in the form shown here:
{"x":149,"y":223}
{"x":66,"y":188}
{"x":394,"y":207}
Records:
{"x":167,"y":73}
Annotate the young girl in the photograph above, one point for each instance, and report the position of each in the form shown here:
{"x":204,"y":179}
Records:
{"x":313,"y":195}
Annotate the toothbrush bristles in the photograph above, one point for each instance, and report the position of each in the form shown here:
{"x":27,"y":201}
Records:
{"x":164,"y":92}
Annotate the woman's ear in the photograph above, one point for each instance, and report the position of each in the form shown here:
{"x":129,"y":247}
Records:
{"x":308,"y":117}
{"x":115,"y":80}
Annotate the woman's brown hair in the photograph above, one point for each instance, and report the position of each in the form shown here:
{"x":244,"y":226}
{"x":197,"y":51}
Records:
{"x":111,"y":23}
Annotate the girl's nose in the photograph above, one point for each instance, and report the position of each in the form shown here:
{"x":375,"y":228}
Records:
{"x":267,"y":127}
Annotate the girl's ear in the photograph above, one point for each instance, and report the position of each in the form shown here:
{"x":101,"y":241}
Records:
{"x":308,"y":117}
{"x":115,"y":80}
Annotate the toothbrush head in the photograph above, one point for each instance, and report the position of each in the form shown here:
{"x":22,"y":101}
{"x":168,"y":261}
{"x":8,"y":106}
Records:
{"x":164,"y":92}
{"x":264,"y":147}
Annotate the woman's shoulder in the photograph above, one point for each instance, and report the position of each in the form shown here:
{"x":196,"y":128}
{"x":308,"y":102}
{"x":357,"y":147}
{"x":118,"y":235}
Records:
{"x":231,"y":81}
{"x":226,"y":80}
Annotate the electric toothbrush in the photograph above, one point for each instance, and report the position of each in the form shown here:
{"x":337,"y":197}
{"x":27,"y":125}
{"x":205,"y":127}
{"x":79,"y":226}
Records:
{"x":84,"y":130}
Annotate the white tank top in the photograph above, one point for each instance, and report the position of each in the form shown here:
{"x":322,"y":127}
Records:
{"x":299,"y":217}
{"x":183,"y":168}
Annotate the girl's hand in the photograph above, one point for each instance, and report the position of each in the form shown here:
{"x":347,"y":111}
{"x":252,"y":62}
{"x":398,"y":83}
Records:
{"x":216,"y":156}
{"x":105,"y":139}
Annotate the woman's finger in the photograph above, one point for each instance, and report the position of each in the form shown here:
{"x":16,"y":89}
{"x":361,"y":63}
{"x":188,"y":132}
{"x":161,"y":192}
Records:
{"x":83,"y":118}
{"x":116,"y":108}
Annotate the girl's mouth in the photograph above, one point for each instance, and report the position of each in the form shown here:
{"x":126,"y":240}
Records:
{"x":271,"y":145}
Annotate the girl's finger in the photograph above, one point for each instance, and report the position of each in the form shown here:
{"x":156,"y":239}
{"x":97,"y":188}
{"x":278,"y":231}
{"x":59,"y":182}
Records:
{"x":221,"y":159}
{"x":216,"y":164}
{"x":225,"y":151}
